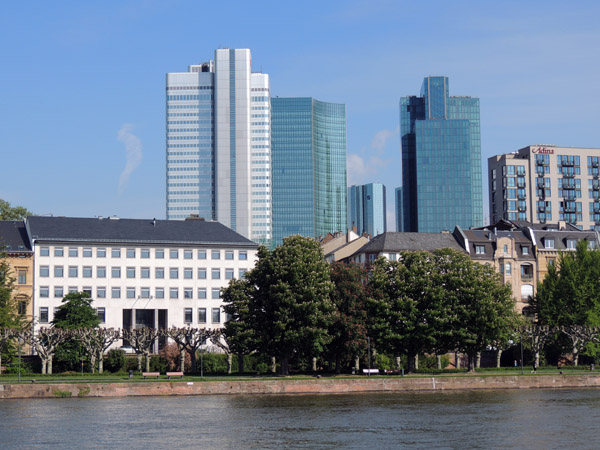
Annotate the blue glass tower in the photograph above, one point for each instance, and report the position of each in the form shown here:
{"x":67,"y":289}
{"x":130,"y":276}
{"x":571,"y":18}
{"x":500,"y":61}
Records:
{"x":367,"y":208}
{"x":308,"y":142}
{"x":441,"y":159}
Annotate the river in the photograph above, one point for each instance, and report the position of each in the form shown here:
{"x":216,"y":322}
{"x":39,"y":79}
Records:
{"x":516,"y":419}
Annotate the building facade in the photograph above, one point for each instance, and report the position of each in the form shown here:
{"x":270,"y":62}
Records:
{"x":309,"y":167}
{"x":367,"y":208}
{"x":152,"y":273}
{"x":545,"y":184}
{"x":219,"y":144}
{"x":398,"y":211}
{"x":16,"y":247}
{"x":441,"y":159}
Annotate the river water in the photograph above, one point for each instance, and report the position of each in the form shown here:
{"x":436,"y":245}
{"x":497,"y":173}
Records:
{"x":532,"y":419}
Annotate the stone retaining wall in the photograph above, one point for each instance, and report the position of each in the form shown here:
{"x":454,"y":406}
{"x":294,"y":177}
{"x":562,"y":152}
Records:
{"x":308,"y":386}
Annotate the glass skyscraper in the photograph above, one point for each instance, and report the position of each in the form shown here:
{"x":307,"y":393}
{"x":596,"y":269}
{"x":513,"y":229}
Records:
{"x":441,"y":160}
{"x":309,"y":167}
{"x":219,"y":144}
{"x":367,"y":208}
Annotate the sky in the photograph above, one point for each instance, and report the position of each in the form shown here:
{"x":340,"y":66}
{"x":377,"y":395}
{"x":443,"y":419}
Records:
{"x":82,"y":109}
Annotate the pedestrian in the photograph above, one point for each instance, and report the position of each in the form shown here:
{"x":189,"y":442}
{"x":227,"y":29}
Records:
{"x":515,"y":363}
{"x":534,"y":367}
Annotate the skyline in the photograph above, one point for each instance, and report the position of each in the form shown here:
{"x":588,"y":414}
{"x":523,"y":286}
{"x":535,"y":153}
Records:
{"x":83,"y":113}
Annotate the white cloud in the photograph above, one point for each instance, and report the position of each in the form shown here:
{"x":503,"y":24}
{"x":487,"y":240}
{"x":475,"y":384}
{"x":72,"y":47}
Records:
{"x":133,"y":151}
{"x":381,"y":138}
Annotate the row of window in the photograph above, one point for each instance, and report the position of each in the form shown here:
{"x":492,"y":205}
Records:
{"x":132,"y":293}
{"x":144,"y":272}
{"x":144,"y":253}
{"x":187,"y":315}
{"x":480,"y":250}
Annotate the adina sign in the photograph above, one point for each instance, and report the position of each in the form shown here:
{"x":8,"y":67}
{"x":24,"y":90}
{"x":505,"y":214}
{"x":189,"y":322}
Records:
{"x":543,"y":150}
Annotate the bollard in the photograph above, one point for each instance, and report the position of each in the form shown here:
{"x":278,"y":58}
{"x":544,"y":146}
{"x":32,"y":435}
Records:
{"x":403,"y":371}
{"x":591,"y":367}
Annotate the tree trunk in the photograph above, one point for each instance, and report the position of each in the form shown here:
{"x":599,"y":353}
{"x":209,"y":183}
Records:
{"x":194,"y":360}
{"x":240,"y":363}
{"x":314,"y":364}
{"x":412,"y":362}
{"x":147,"y":361}
{"x":416,"y":362}
{"x":575,"y":356}
{"x":498,"y":356}
{"x":398,"y":363}
{"x":229,"y":363}
{"x":357,"y":364}
{"x":457,"y":360}
{"x":139,"y":361}
{"x":101,"y":363}
{"x":478,"y":360}
{"x":92,"y":364}
{"x":273,"y":365}
{"x":537,"y":359}
{"x":182,"y":359}
{"x":44,"y":365}
{"x":439,"y":362}
{"x":283,"y":361}
{"x":49,"y":369}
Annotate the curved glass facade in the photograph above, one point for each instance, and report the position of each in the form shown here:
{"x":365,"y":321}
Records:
{"x":308,"y":140}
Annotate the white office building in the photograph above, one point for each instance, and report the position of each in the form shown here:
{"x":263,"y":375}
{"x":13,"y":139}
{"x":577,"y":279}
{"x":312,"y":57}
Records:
{"x":219,"y":144}
{"x":140,"y":273}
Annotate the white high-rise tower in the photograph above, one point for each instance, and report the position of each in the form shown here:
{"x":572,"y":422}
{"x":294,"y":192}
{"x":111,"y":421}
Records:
{"x":219,"y":144}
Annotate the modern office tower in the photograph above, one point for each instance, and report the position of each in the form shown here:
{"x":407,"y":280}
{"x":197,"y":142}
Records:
{"x":398,"y":203}
{"x":309,"y":167}
{"x":218,"y":144}
{"x":441,"y":159}
{"x":545,"y":183}
{"x":367,"y":208}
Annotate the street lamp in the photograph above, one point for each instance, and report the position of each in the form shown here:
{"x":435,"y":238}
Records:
{"x":19,"y":355}
{"x":369,"y":353}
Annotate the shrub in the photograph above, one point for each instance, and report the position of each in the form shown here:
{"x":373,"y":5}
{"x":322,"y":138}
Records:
{"x":158,"y":364}
{"x":213,"y":363}
{"x":114,"y":360}
{"x":170,"y":353}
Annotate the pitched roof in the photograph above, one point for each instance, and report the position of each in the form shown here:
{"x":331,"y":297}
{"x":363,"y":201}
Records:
{"x":13,"y":236}
{"x":397,"y":241}
{"x":114,"y":230}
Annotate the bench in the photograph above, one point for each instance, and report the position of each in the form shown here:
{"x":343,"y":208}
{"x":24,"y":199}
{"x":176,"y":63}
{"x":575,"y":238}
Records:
{"x":151,"y":374}
{"x":175,"y":374}
{"x":371,"y":371}
{"x":394,"y":372}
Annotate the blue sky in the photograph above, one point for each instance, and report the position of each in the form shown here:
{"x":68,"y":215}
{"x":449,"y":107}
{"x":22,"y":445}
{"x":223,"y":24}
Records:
{"x":82,"y":112}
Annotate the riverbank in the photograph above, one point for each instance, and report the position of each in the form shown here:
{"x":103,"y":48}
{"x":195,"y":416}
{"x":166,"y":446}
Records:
{"x":295,"y":386}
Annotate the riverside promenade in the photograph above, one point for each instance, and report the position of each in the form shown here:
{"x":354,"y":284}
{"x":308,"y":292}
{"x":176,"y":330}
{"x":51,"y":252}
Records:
{"x":333,"y":385}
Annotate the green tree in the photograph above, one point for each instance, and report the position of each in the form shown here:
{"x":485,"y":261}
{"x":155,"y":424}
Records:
{"x":8,"y":212}
{"x":76,"y":312}
{"x":289,"y":304}
{"x":406,"y":305}
{"x":481,"y":307}
{"x":569,"y":297}
{"x":348,"y":331}
{"x":238,"y":330}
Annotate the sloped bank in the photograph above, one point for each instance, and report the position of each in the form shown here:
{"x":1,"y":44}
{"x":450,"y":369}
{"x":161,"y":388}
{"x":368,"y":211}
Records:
{"x":307,"y":386}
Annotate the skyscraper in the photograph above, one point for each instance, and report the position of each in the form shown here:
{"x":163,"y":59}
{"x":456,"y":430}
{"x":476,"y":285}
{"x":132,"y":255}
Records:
{"x":441,"y":159}
{"x":218,"y":144}
{"x":398,"y":204}
{"x":367,"y":208}
{"x":309,"y":167}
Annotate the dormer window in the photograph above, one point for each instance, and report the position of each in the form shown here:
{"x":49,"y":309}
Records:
{"x":571,"y":244}
{"x":525,"y":250}
{"x":549,"y":243}
{"x":480,"y":249}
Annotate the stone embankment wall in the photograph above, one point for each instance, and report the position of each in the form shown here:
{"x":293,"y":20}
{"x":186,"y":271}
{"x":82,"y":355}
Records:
{"x":308,"y":386}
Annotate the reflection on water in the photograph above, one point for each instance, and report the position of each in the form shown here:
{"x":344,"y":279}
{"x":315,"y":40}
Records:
{"x":532,"y":419}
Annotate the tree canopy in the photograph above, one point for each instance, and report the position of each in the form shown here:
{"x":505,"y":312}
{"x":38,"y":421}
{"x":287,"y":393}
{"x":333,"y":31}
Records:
{"x":8,"y":212}
{"x":284,"y":301}
{"x":76,"y":312}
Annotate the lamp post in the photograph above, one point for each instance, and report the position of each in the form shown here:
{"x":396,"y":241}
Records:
{"x":201,"y":355}
{"x":19,"y":355}
{"x":521,"y":336}
{"x":369,"y":355}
